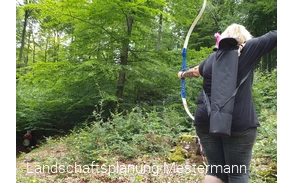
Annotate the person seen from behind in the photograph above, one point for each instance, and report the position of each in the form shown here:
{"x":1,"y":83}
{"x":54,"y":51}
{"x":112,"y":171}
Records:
{"x":233,"y":152}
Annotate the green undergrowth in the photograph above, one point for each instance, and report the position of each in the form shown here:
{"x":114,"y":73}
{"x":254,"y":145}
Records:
{"x":264,"y":161}
{"x":138,"y":138}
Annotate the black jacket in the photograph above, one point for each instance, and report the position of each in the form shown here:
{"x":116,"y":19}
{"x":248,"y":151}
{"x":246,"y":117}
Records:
{"x":244,"y":114}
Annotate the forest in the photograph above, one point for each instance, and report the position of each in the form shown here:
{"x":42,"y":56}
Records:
{"x":100,"y":77}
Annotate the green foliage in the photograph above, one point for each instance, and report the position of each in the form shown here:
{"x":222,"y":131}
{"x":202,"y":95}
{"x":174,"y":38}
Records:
{"x":56,"y":96}
{"x":143,"y":134}
{"x":87,"y":31}
{"x":264,"y":162}
{"x":265,"y":90}
{"x":128,"y":136}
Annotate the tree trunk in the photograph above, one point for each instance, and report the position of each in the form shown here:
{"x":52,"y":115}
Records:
{"x":26,"y":14}
{"x":159,"y":37}
{"x":28,"y":48}
{"x":33,"y":53}
{"x":124,"y":58}
{"x":46,"y":48}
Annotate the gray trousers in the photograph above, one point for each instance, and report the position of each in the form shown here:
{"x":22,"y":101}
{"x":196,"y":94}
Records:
{"x":228,"y":157}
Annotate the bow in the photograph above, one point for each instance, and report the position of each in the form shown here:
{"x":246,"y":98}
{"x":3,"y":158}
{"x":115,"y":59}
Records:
{"x":184,"y":55}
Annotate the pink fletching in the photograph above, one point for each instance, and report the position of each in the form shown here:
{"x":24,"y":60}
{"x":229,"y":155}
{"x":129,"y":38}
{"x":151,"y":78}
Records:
{"x":217,"y":36}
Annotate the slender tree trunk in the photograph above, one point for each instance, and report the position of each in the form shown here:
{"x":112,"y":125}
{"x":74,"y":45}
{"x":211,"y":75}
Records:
{"x":56,"y":46}
{"x":33,"y":53}
{"x":124,"y":58}
{"x":28,"y":48}
{"x":46,"y":48}
{"x":159,"y":37}
{"x":26,"y":15}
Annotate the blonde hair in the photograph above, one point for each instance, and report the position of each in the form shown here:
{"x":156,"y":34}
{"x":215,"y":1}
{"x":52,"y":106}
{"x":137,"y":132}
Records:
{"x":237,"y":31}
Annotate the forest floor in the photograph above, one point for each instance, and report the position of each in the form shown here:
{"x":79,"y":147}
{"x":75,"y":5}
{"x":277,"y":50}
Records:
{"x":48,"y":163}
